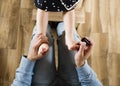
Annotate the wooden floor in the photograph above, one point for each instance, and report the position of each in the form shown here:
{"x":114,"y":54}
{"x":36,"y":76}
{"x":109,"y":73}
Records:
{"x":100,"y":21}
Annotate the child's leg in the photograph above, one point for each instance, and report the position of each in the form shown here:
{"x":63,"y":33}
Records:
{"x":42,"y":21}
{"x":69,"y":26}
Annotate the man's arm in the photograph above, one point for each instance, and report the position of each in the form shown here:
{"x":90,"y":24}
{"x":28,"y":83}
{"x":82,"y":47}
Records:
{"x":87,"y":76}
{"x":24,"y":73}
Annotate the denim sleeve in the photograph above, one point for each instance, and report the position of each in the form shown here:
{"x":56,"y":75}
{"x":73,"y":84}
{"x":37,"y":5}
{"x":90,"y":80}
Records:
{"x":87,"y":76}
{"x":24,"y":73}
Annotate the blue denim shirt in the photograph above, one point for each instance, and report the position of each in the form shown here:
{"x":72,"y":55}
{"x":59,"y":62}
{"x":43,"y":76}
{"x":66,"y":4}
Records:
{"x":24,"y":72}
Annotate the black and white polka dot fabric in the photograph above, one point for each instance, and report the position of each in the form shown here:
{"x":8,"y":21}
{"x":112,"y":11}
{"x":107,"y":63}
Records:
{"x":56,"y":5}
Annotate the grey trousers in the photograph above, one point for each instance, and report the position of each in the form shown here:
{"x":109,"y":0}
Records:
{"x":45,"y":73}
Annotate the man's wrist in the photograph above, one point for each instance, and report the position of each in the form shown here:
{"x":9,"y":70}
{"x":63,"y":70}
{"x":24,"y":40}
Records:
{"x":80,"y":64}
{"x":26,"y":64}
{"x":29,"y":58}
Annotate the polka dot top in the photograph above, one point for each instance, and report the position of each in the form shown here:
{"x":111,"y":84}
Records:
{"x":56,"y":5}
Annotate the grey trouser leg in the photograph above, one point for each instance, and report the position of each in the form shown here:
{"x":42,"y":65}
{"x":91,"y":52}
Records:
{"x":44,"y":70}
{"x":66,"y":68}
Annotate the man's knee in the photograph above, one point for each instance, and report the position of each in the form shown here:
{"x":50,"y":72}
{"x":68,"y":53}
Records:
{"x":60,"y":28}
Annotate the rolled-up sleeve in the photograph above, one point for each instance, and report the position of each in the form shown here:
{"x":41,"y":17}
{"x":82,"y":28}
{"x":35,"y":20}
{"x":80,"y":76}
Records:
{"x":87,"y":76}
{"x":24,"y":73}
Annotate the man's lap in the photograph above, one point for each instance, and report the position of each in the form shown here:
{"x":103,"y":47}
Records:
{"x":45,"y":71}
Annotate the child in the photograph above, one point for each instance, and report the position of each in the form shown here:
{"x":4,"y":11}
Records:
{"x":65,"y":6}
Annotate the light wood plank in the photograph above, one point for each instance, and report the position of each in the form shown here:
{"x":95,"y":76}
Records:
{"x":4,"y":30}
{"x":99,"y":56}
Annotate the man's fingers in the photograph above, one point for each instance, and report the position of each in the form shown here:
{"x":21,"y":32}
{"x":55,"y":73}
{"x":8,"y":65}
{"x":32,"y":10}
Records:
{"x":76,"y":46}
{"x":88,"y":50}
{"x":82,"y":48}
{"x":42,"y":39}
{"x":91,"y":41}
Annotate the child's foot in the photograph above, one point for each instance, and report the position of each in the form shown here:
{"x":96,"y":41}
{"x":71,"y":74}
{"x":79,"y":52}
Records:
{"x":43,"y":49}
{"x":71,"y":44}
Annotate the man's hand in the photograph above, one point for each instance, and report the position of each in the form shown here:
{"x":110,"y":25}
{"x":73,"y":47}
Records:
{"x":36,"y":42}
{"x":83,"y":53}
